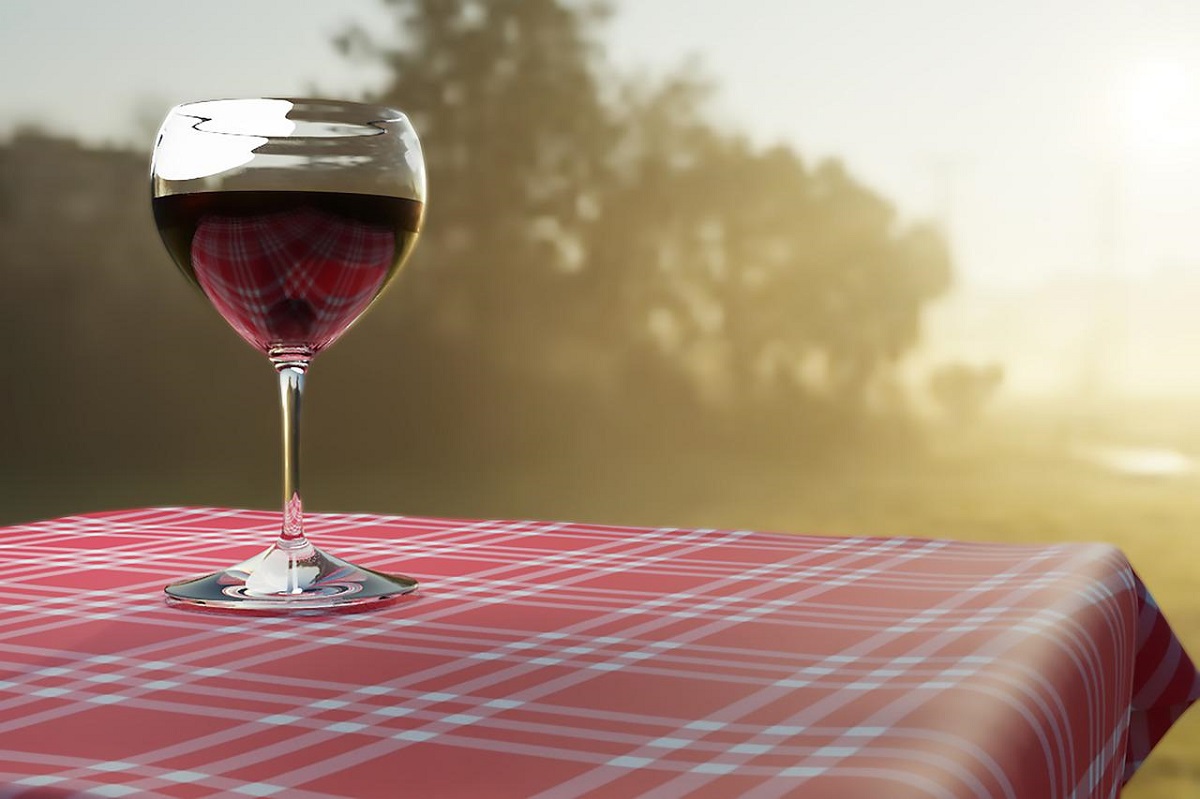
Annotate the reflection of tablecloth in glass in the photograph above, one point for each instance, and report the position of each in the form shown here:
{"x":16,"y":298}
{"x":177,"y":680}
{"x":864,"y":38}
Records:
{"x":577,"y":660}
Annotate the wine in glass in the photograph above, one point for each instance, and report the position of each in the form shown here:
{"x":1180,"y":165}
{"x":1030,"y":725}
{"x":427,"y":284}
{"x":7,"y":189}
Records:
{"x":290,"y":216}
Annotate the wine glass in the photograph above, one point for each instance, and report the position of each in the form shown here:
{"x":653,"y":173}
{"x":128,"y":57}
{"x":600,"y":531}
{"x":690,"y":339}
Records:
{"x":290,"y":216}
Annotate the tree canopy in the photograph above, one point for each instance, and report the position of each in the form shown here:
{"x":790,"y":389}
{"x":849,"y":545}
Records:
{"x":596,"y":227}
{"x":608,"y":275}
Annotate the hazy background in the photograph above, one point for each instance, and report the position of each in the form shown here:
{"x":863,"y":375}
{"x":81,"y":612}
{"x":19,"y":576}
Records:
{"x":924,"y":268}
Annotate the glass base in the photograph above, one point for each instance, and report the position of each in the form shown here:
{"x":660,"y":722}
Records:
{"x":291,"y":579}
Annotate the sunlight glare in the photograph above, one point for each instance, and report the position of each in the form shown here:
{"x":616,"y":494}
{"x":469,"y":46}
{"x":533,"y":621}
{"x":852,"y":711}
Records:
{"x":1159,"y":107}
{"x":1141,"y":462}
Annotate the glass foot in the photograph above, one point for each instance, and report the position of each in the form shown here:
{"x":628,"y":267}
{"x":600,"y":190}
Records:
{"x":291,"y":579}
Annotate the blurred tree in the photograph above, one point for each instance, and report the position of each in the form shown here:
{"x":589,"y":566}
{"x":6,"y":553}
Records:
{"x":102,"y":338}
{"x":602,"y":229}
{"x":963,"y":390}
{"x":506,"y":97}
{"x":766,"y":281}
{"x":607,"y":278}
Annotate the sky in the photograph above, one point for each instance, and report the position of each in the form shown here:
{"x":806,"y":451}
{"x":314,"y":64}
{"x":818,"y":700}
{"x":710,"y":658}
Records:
{"x":1054,"y":140}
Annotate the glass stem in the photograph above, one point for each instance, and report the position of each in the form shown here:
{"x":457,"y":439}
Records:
{"x":291,"y":388}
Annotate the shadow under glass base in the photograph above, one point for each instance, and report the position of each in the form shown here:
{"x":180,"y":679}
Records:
{"x":294,"y":579}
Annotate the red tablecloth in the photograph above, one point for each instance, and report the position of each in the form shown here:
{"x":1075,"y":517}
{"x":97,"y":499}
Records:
{"x":564,"y":660}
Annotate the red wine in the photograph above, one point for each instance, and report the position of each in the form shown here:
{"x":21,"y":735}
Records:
{"x":288,"y":269}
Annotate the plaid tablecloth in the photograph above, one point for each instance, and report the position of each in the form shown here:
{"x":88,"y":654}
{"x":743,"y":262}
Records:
{"x":568,"y":660}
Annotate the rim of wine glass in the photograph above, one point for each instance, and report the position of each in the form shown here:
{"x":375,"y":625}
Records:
{"x":290,"y":99}
{"x":372,"y":112}
{"x":316,"y":119}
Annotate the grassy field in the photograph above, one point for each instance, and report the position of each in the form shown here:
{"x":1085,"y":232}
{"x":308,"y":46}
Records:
{"x":1022,"y":481}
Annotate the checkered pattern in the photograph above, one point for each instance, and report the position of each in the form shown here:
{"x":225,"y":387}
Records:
{"x":291,"y":277}
{"x":567,"y":660}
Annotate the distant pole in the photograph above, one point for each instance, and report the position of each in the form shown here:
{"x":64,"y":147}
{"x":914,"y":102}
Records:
{"x":942,"y":170}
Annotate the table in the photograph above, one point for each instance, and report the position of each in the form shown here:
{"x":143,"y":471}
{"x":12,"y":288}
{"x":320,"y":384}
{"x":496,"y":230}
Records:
{"x":570,"y":660}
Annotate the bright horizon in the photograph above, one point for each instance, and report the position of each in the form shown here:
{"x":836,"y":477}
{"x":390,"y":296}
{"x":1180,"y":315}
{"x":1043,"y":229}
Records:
{"x":1054,"y":143}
